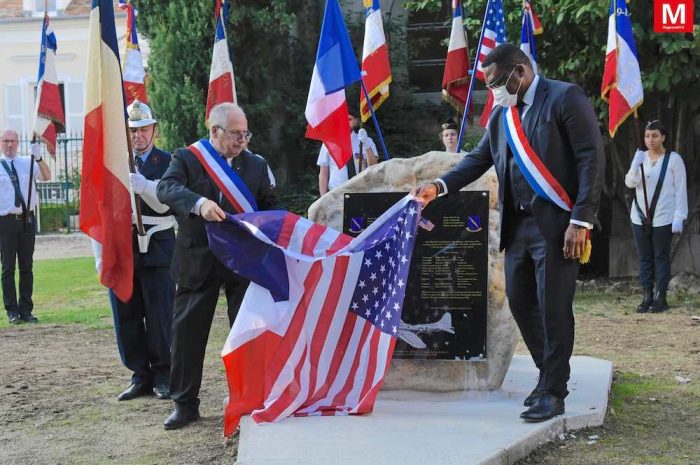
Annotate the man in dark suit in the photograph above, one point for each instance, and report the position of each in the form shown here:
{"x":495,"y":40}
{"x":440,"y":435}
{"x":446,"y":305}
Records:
{"x":142,"y":324}
{"x":542,"y":242}
{"x":194,"y":196}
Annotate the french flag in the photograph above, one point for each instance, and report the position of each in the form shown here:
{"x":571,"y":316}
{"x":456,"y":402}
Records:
{"x":105,"y":205}
{"x":376,"y":71}
{"x":622,"y":80}
{"x":134,"y":72}
{"x":455,"y":78}
{"x":336,"y":68}
{"x":222,"y":86}
{"x":531,"y":28}
{"x":48,"y":116}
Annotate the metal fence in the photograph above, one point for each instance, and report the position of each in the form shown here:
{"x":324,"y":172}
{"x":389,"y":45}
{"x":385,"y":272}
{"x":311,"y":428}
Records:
{"x":59,"y":198}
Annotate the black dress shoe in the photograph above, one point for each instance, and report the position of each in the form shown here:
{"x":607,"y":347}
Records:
{"x":14,"y":318}
{"x":161,"y":391}
{"x":532,"y":398}
{"x":182,"y":415}
{"x":29,"y":318}
{"x":134,"y":391}
{"x":547,"y":406}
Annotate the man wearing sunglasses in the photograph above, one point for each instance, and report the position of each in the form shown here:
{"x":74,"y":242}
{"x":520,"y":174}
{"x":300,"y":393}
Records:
{"x":543,"y":241}
{"x":195,"y":197}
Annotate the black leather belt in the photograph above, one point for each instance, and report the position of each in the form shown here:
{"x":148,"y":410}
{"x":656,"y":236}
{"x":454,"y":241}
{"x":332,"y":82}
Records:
{"x":12,"y":216}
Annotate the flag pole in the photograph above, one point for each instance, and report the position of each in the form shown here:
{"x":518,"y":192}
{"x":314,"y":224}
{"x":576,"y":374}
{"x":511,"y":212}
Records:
{"x":473,"y":76}
{"x":132,"y":169}
{"x":374,"y":119}
{"x":27,"y":212}
{"x":638,"y":144}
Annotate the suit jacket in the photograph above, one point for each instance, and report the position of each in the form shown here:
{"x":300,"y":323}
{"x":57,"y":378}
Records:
{"x":162,"y":243}
{"x":563,"y":130}
{"x":183,"y":184}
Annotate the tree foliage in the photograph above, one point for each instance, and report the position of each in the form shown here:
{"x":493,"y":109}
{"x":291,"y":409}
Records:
{"x":572,"y":48}
{"x":271,"y":60}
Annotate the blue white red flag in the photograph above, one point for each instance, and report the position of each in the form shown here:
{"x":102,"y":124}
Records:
{"x":134,"y":72}
{"x":376,"y":71}
{"x":531,"y":27}
{"x":335,"y":69}
{"x":455,"y":78}
{"x":105,"y":201}
{"x":48,"y":116}
{"x":222,"y":85}
{"x":494,"y":35}
{"x":319,"y":321}
{"x":622,"y":79}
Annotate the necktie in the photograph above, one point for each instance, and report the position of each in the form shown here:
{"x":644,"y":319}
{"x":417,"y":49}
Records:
{"x":19,"y":200}
{"x":139,"y":162}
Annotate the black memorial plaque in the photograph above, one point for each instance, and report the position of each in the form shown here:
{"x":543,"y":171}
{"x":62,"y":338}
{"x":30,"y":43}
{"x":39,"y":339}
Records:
{"x":444,"y":312}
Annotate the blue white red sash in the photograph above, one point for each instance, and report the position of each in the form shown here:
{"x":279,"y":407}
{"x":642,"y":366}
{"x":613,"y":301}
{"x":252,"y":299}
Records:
{"x":530,"y":164}
{"x":228,"y":181}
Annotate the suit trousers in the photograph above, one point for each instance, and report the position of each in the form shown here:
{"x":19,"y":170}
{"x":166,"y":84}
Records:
{"x":17,"y":247}
{"x":194,"y":313}
{"x":142,"y":326}
{"x":540,"y":285}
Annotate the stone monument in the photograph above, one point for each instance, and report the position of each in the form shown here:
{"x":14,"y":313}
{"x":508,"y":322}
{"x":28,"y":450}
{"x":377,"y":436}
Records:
{"x":401,"y":175}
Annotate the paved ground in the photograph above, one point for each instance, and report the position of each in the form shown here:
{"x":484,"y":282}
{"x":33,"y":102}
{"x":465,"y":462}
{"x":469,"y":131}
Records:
{"x":62,"y":246}
{"x":417,"y":428}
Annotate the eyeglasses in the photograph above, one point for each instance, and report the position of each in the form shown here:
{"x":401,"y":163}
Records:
{"x":499,"y":82}
{"x":247,"y":135}
{"x":9,"y":141}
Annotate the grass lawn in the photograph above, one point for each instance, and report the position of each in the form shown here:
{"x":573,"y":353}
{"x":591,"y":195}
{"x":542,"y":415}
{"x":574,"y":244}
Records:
{"x":67,"y":291}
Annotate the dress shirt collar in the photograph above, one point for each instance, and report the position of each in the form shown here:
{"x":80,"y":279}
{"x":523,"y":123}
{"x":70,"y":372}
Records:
{"x":529,"y":96}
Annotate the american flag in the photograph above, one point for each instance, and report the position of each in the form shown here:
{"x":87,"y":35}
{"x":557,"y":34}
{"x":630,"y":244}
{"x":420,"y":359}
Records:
{"x":494,"y":35}
{"x":317,"y":327}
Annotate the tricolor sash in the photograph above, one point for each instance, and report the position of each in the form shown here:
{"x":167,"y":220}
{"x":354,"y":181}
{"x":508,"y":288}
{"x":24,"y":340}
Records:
{"x":535,"y":172}
{"x":541,"y":180}
{"x":226,"y":179}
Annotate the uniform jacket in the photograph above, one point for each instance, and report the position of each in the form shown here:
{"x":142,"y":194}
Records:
{"x":162,"y":243}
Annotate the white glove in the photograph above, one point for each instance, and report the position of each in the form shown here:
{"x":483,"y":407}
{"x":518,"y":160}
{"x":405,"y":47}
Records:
{"x":35,"y":150}
{"x":137,"y":182}
{"x":364,"y":138}
{"x":677,"y":226}
{"x":638,"y":159}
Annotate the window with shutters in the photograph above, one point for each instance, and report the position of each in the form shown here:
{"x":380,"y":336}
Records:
{"x":74,"y":106}
{"x":39,"y":6}
{"x":13,"y":111}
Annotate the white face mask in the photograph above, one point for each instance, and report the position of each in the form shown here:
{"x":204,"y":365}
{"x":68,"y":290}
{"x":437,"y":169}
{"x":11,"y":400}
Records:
{"x":504,"y":98}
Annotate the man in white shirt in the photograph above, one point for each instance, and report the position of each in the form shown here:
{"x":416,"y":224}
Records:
{"x":330,"y":176}
{"x":17,"y":224}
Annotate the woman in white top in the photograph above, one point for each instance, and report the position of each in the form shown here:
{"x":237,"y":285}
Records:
{"x":654,"y":239}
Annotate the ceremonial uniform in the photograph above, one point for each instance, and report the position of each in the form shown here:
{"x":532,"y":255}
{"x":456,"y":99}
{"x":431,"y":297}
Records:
{"x":143,"y":323}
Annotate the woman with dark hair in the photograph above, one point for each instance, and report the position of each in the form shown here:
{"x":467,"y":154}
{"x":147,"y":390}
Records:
{"x":657,"y":215}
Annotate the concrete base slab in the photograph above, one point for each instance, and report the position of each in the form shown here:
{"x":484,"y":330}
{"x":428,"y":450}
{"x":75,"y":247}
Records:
{"x":409,"y":427}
